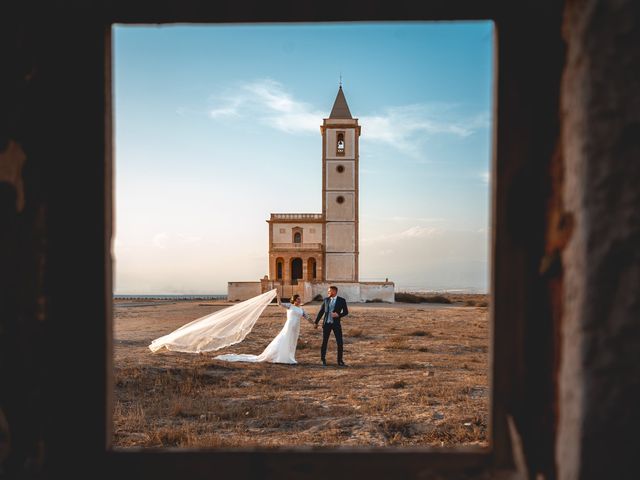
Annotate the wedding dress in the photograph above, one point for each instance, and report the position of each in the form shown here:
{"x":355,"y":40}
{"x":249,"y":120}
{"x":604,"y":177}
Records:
{"x":282,"y":348}
{"x":216,"y":330}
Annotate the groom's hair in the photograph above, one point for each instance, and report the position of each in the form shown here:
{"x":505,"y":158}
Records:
{"x":334,"y":288}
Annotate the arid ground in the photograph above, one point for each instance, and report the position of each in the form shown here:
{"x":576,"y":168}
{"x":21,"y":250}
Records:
{"x":417,"y":374}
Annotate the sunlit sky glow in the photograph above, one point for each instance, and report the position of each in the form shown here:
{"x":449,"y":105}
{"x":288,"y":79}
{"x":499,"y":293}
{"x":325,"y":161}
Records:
{"x":218,"y":126}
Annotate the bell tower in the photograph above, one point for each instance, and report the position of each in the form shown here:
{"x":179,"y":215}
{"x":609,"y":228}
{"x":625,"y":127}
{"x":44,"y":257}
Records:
{"x":340,"y":158}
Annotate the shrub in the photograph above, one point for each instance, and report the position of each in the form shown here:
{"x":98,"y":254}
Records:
{"x":408,"y":297}
{"x":476,"y":303}
{"x":396,"y":343}
{"x":414,"y":298}
{"x":436,"y":299}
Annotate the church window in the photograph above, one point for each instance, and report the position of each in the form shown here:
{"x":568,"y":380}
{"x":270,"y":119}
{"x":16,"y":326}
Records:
{"x":279,"y":268}
{"x":340,"y":143}
{"x":297,"y":234}
{"x":340,"y":168}
{"x":340,"y":199}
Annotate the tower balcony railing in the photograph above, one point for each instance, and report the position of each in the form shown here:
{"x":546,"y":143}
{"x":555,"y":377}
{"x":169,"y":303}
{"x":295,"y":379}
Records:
{"x":297,"y":216}
{"x":296,"y":246}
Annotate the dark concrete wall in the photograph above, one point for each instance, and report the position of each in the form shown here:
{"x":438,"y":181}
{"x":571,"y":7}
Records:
{"x":574,"y":367}
{"x":52,"y":238}
{"x":600,"y":375}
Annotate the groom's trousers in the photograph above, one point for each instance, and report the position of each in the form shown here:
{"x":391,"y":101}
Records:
{"x":327,"y":328}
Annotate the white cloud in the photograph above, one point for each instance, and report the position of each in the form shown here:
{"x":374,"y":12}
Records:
{"x":402,"y":127}
{"x":407,"y":127}
{"x":164,"y":240}
{"x":413,"y":232}
{"x":267,"y":100}
{"x":160,"y":240}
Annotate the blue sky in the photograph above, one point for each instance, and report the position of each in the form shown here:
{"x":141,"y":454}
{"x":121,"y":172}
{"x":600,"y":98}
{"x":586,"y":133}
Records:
{"x":218,"y":126}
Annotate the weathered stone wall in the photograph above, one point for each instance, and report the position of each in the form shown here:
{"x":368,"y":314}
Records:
{"x":340,"y":267}
{"x":311,"y":232}
{"x":344,"y":211}
{"x":599,"y":379}
{"x":341,"y":237}
{"x":341,"y":174}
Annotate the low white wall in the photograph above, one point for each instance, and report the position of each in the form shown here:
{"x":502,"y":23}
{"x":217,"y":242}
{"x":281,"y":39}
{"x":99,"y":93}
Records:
{"x":240,"y":291}
{"x":358,"y":292}
{"x":378,"y":291}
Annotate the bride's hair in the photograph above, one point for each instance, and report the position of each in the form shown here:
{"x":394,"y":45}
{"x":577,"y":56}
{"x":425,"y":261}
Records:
{"x":294,"y":298}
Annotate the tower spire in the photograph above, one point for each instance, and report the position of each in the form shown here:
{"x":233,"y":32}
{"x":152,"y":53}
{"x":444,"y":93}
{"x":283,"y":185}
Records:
{"x":340,"y":108}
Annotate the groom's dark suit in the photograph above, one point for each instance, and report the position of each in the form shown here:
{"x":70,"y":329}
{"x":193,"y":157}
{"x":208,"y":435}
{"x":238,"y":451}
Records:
{"x":329,"y":323}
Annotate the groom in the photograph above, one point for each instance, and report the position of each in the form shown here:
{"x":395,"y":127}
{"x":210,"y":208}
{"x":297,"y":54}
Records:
{"x":333,"y":309}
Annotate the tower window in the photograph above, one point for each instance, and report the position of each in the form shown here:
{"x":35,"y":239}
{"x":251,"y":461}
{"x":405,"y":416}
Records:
{"x":340,"y":143}
{"x":340,"y":168}
{"x":340,"y":199}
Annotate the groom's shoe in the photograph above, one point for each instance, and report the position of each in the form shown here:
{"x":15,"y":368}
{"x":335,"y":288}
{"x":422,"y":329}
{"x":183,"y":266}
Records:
{"x":342,"y":364}
{"x":324,"y":362}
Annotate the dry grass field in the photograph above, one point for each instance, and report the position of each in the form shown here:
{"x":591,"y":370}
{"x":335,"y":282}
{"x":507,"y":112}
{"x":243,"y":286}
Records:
{"x":416,"y":375}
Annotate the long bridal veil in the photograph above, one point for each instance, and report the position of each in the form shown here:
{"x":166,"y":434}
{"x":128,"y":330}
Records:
{"x":216,"y":330}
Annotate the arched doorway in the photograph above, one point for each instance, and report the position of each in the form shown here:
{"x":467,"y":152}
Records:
{"x":279,"y":268}
{"x":311,"y":268}
{"x":296,"y":270}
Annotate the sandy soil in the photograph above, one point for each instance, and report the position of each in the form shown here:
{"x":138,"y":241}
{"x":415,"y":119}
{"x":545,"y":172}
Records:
{"x":416,"y":375}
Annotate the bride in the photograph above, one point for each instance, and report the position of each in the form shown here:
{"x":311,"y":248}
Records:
{"x":282,"y":348}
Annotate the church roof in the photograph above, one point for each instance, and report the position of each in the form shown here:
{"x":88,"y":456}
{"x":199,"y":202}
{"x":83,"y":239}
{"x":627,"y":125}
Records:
{"x":340,"y":108}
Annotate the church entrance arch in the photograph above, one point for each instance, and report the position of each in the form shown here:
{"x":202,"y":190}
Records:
{"x":279,"y":268}
{"x":296,"y":270}
{"x":311,"y":268}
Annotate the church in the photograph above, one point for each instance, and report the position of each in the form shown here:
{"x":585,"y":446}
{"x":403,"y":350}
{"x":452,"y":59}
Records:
{"x":310,"y":251}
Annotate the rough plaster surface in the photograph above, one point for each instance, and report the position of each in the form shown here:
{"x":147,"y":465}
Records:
{"x":599,"y":393}
{"x":340,"y":267}
{"x":345,"y":180}
{"x":311,"y":232}
{"x":341,"y":237}
{"x":340,"y":211}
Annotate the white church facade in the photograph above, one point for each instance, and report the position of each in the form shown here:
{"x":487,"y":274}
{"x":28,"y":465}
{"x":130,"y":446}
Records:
{"x":310,"y":251}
